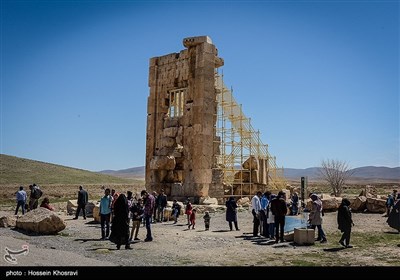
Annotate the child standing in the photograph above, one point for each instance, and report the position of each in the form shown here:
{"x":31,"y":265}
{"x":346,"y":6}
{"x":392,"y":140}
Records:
{"x":192,"y":219}
{"x":188,"y":211}
{"x":137,"y":216}
{"x":207,"y":219}
{"x":176,"y":210}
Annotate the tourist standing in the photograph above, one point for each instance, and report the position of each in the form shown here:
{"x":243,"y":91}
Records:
{"x":279,"y":209}
{"x":315,"y":217}
{"x":192,"y":219}
{"x":137,"y":216}
{"x":21,"y":200}
{"x":345,"y":222}
{"x":162,"y":203}
{"x":263,"y":213}
{"x":256,"y":207}
{"x":36,"y":193}
{"x":294,"y":204}
{"x":105,"y":214}
{"x":83,"y":199}
{"x":148,"y":212}
{"x":394,"y":215}
{"x":188,"y":210}
{"x":231,"y":212}
{"x":207,"y":220}
{"x":155,"y":195}
{"x":176,"y":210}
{"x":120,"y":223}
{"x":114,"y":196}
{"x":389,"y":204}
{"x":271,"y":218}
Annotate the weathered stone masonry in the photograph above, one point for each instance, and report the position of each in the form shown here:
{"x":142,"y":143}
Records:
{"x":182,"y":108}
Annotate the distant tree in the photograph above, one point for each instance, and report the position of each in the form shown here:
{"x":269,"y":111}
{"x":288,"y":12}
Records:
{"x":335,"y":173}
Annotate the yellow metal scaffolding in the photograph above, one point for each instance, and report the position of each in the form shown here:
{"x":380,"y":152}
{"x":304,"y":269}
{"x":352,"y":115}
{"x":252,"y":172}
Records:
{"x":239,"y":142}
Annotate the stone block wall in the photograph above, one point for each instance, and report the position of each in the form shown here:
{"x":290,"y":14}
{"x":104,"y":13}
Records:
{"x":181,"y":118}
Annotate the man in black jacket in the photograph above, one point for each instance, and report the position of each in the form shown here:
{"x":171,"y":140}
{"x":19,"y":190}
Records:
{"x":279,"y":209}
{"x":82,"y":201}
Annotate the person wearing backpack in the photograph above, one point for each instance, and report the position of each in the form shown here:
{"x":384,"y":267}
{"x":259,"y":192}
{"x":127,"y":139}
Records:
{"x":82,"y":201}
{"x":36,"y":193}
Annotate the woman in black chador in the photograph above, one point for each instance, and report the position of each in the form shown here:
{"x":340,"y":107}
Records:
{"x":394,"y":215}
{"x":345,"y":222}
{"x":120,"y":223}
{"x":231,"y":212}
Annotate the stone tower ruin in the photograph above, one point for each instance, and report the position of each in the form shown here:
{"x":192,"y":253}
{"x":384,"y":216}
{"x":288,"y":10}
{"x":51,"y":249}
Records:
{"x":181,"y":117}
{"x":199,"y":142}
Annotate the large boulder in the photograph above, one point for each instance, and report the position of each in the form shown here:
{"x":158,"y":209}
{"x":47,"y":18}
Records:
{"x":330,"y":203}
{"x":359,"y":203}
{"x":89,"y":208}
{"x":369,"y":191}
{"x":96,"y":213}
{"x":251,"y":163}
{"x":244,"y":201}
{"x":72,"y":206}
{"x":376,"y":205}
{"x":212,"y":208}
{"x":206,"y":200}
{"x":8,"y":221}
{"x":42,"y":221}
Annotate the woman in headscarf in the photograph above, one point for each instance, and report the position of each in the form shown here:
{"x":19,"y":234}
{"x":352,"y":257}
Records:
{"x":345,"y":222}
{"x":120,"y":223}
{"x":315,"y":217}
{"x":231,"y":212}
{"x":46,"y":204}
{"x":394,"y":215}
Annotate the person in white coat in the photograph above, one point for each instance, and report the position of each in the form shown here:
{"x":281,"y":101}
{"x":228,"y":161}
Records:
{"x":315,"y":217}
{"x":256,"y":207}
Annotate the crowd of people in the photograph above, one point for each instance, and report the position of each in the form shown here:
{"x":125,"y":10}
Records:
{"x":33,"y":203}
{"x":269,"y":212}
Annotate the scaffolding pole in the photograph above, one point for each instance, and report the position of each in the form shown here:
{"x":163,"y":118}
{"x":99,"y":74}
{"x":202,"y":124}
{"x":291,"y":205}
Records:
{"x":239,"y":142}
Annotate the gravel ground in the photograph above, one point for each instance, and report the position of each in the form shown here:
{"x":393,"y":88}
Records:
{"x":174,"y":245}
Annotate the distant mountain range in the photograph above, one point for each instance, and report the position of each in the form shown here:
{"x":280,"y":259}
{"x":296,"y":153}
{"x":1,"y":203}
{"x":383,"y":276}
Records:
{"x":134,"y":172}
{"x":313,"y":173}
{"x":361,"y":173}
{"x":24,"y":171}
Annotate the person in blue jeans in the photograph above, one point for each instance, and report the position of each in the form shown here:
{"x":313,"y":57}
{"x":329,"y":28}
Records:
{"x":21,"y":200}
{"x":105,"y":214}
{"x":149,"y":204}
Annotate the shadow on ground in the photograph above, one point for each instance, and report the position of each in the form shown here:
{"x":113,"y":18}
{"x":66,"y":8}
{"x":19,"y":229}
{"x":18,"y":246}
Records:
{"x":29,"y":233}
{"x":392,"y":232}
{"x":264,"y":241}
{"x":83,"y":240}
{"x":336,"y":249}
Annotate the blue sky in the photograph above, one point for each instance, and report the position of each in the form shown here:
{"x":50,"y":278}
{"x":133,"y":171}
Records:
{"x":319,"y":79}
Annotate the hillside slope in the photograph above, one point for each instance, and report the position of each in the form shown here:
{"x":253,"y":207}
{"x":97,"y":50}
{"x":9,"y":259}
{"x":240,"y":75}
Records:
{"x":15,"y":170}
{"x":134,"y":172}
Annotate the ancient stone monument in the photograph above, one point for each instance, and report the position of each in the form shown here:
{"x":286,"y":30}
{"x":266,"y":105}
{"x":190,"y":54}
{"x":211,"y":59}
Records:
{"x":188,"y":152}
{"x":181,"y":120}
